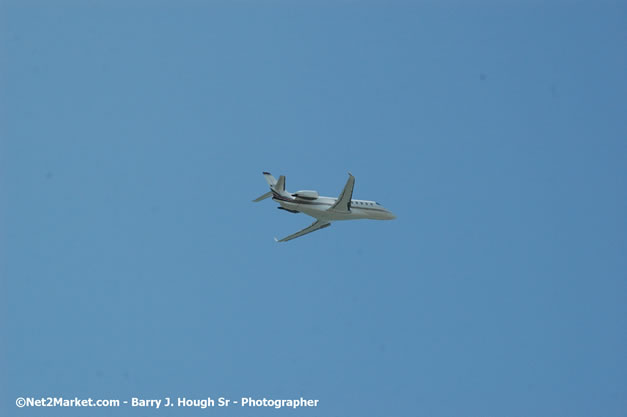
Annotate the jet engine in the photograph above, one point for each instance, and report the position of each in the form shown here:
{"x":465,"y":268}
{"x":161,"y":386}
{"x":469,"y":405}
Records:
{"x":306,"y":194}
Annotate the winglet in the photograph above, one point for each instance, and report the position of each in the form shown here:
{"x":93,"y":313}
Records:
{"x":276,"y":240}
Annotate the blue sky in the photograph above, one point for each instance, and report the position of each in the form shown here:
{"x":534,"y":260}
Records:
{"x":133,"y":263}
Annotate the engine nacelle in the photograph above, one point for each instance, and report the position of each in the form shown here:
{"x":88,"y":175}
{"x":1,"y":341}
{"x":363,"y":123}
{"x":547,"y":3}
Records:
{"x":306,"y":194}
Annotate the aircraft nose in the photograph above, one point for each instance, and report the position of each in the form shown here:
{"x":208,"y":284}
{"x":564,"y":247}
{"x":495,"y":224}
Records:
{"x":390,"y":215}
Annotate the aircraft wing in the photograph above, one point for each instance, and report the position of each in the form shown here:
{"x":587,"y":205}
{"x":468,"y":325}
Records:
{"x":343,"y":203}
{"x":317,"y":225}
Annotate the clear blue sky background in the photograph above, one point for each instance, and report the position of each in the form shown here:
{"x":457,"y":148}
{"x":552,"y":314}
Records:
{"x":133,"y":262}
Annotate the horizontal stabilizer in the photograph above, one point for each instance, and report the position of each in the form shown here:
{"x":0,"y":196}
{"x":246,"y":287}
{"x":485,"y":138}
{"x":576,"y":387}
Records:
{"x":270,"y":179}
{"x":263,"y":197}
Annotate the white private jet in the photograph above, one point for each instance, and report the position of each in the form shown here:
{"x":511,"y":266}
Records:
{"x":324,"y":209}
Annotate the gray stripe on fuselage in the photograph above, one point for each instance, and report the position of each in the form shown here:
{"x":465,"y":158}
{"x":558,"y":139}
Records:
{"x":326,"y":204}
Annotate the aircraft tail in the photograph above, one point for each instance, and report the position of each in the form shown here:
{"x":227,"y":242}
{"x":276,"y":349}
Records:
{"x":275,"y":186}
{"x":262,"y":197}
{"x":271,"y":180}
{"x":279,"y":187}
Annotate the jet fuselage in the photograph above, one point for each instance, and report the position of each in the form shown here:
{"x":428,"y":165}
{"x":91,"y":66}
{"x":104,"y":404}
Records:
{"x":319,"y":208}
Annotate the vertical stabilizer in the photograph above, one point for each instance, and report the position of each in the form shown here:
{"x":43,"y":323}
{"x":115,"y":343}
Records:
{"x":280,"y":185}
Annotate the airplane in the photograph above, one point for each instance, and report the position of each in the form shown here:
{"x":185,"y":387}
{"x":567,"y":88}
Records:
{"x":323,"y":209}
